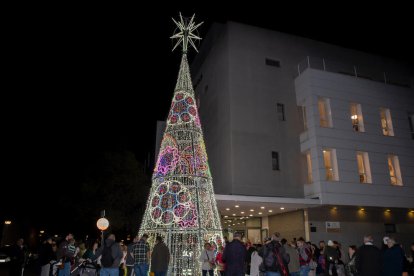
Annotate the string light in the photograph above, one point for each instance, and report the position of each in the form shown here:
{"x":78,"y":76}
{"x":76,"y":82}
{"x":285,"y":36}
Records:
{"x":181,"y":206}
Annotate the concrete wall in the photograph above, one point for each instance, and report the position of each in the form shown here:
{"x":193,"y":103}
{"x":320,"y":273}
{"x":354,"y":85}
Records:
{"x":238,"y":111}
{"x":355,"y":224}
{"x":343,"y":90}
{"x":212,"y":95}
{"x":290,"y":225}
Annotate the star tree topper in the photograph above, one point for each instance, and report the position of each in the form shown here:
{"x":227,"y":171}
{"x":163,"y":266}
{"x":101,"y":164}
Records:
{"x":185,"y":33}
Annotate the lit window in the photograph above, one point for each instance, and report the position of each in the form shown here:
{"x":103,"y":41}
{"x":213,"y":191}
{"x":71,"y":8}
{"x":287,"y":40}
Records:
{"x":386,"y":122}
{"x":325,"y":117}
{"x":364,"y":169}
{"x":411,"y":122}
{"x":331,"y":165}
{"x":281,"y":112}
{"x":394,"y":168}
{"x":275,"y":160}
{"x":356,"y":117}
{"x":309,"y":168}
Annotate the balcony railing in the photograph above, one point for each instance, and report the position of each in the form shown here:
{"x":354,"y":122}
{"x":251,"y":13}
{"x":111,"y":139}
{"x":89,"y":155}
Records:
{"x":355,"y":71}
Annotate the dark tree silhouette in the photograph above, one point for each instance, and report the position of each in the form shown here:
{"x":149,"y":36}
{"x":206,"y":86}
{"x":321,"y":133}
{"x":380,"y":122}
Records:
{"x":115,"y":182}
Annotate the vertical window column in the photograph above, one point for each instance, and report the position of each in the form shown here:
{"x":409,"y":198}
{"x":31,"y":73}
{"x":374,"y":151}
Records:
{"x":394,"y":168}
{"x":386,"y":122}
{"x":364,"y":168}
{"x":325,"y":117}
{"x":281,"y":112}
{"x":331,"y":164}
{"x":309,"y":177}
{"x":356,"y":118}
{"x":275,"y":161}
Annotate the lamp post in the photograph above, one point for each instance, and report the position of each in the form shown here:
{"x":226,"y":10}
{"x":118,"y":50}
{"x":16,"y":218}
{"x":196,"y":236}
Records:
{"x":102,"y":225}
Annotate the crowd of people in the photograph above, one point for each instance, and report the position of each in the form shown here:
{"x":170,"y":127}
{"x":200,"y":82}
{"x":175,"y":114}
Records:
{"x":275,"y":257}
{"x":278,"y":257}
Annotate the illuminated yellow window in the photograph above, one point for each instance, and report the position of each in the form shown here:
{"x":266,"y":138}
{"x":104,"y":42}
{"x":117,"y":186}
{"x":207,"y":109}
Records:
{"x":356,"y":118}
{"x":309,"y":167}
{"x":324,"y":108}
{"x":331,"y":165}
{"x":394,"y":168}
{"x":364,"y":169}
{"x":386,"y":122}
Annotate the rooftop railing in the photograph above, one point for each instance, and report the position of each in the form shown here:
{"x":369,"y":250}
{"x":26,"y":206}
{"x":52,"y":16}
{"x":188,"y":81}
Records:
{"x":355,"y":71}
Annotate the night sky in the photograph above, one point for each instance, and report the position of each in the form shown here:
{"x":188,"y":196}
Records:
{"x":78,"y":83}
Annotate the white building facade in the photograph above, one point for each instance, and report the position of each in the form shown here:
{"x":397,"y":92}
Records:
{"x":306,"y":138}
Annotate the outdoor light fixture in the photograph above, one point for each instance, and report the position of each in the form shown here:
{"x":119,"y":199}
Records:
{"x":102,"y":224}
{"x":241,"y":212}
{"x":251,"y":210}
{"x":282,"y":208}
{"x":227,"y":209}
{"x":270,"y":211}
{"x":226,"y":216}
{"x":354,"y":117}
{"x":237,"y":206}
{"x":41,"y":231}
{"x":250,"y":215}
{"x":260,"y":213}
{"x":388,"y":210}
{"x":362,"y":209}
{"x":7,"y":222}
{"x":234,"y":214}
{"x":262,"y":207}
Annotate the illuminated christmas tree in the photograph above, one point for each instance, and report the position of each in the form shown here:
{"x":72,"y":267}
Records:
{"x":181,"y":206}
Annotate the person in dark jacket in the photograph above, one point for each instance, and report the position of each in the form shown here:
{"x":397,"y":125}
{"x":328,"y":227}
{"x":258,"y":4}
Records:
{"x":368,"y":259}
{"x":234,"y":256}
{"x":393,"y":259}
{"x":18,"y":254}
{"x":46,"y":254}
{"x":160,"y":257}
{"x":116,"y":252}
{"x":130,"y":262}
{"x":274,"y":245}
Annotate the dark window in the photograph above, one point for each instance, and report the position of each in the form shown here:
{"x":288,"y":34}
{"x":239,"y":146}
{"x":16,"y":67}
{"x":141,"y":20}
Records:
{"x":281,"y":112}
{"x":272,"y":62}
{"x":275,"y":160}
{"x":313,"y":228}
{"x":390,"y":228}
{"x":411,"y":121}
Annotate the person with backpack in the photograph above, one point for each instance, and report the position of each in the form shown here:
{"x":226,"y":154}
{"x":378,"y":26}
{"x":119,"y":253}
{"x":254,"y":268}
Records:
{"x":305,"y":256}
{"x":111,"y":255}
{"x":275,"y":258}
